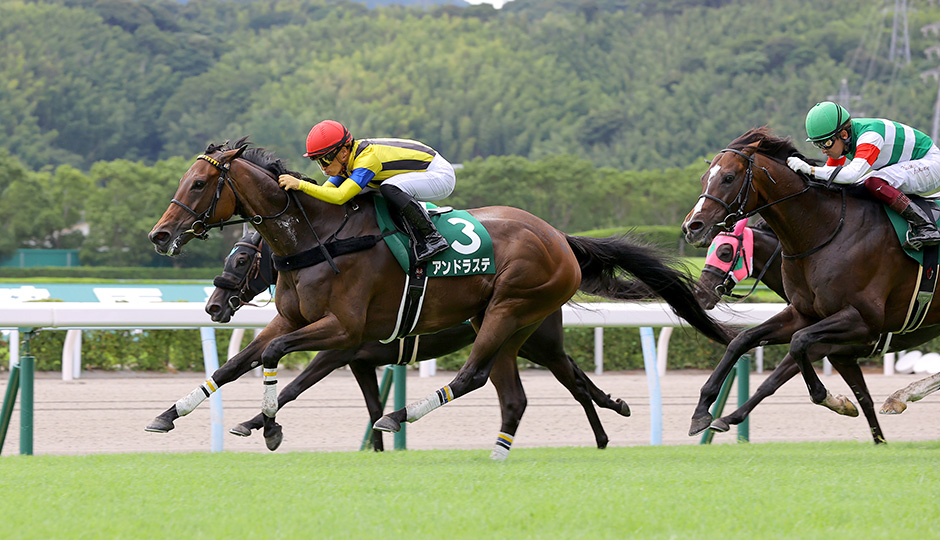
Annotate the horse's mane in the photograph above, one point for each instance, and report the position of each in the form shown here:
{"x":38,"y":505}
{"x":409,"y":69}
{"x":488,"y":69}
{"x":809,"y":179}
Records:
{"x":766,"y":142}
{"x":259,"y":156}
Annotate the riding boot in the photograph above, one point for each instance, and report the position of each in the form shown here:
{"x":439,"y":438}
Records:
{"x":923,"y":230}
{"x":428,"y":241}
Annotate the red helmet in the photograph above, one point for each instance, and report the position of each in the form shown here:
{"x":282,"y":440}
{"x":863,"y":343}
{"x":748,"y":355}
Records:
{"x":325,"y":137}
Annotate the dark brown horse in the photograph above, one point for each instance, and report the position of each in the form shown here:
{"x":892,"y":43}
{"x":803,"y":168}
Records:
{"x":849,"y":283}
{"x":766,"y":266}
{"x":249,"y":270}
{"x":355,"y":298}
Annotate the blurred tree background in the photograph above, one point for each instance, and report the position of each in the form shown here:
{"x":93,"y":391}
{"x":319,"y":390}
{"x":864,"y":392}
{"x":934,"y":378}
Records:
{"x":591,"y":113}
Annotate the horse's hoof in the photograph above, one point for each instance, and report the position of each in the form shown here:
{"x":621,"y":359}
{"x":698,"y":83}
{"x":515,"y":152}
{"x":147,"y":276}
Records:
{"x":602,"y":444}
{"x":274,"y":440}
{"x":700,"y":424}
{"x":850,"y":408}
{"x":624,"y":409}
{"x":720,"y":426}
{"x":387,"y":424}
{"x":893,"y":406}
{"x":159,"y":425}
{"x":241,"y":430}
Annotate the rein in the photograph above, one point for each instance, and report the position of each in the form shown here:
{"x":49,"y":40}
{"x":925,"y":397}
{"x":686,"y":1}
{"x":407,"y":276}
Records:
{"x":200,"y":229}
{"x":741,"y":199}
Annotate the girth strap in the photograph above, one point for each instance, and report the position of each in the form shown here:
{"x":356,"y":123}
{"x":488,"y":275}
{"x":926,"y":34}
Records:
{"x":315,"y":255}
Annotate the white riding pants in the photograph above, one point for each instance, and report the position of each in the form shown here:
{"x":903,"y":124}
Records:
{"x":433,"y":184}
{"x":917,"y":177}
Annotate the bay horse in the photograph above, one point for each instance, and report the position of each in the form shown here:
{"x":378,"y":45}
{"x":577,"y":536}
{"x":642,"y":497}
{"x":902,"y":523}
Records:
{"x":356,"y":297}
{"x":847,"y":279}
{"x":249,"y":270}
{"x":765,"y":266}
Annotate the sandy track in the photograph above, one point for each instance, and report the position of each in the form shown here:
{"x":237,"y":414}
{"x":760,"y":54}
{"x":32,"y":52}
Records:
{"x":106,"y":413}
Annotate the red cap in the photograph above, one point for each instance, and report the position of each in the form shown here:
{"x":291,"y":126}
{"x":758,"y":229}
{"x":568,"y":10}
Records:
{"x":326,"y":137}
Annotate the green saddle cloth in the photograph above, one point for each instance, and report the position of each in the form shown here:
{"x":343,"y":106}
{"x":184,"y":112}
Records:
{"x":901,"y":226}
{"x":471,"y":248}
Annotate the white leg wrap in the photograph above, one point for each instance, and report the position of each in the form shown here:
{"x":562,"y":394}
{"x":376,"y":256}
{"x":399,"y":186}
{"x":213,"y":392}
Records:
{"x":197,"y":396}
{"x":269,"y":402}
{"x":503,"y":444}
{"x":416,"y":410}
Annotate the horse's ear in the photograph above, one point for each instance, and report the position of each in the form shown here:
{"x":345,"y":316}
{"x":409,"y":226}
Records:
{"x":238,"y":152}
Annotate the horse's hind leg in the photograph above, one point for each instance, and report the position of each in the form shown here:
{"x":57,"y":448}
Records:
{"x":497,"y":337}
{"x":851,"y":373}
{"x":916,"y":391}
{"x":512,"y":404}
{"x":369,"y":385}
{"x":786,"y":370}
{"x":235,"y":367}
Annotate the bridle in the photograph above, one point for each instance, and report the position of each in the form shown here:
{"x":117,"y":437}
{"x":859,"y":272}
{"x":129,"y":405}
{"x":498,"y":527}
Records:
{"x":747,"y":186}
{"x":257,"y":275}
{"x":200,"y":228}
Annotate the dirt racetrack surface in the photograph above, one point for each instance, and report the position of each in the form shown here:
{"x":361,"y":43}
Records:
{"x":107,"y":412}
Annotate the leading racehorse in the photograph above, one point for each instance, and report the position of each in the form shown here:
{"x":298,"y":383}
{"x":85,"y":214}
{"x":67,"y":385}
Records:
{"x":355,"y":298}
{"x":849,"y":283}
{"x":249,"y":270}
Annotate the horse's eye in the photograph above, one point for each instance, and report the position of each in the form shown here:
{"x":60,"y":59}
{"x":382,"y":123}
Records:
{"x":728,"y":178}
{"x":199,"y":184}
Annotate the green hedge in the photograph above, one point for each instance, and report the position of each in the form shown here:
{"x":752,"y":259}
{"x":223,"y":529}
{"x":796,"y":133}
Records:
{"x":181,"y":350}
{"x":140,"y":350}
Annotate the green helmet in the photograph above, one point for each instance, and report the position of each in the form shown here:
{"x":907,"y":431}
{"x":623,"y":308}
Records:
{"x":824,"y":120}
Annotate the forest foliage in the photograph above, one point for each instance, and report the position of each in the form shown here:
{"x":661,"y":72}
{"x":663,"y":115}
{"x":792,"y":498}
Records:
{"x":589,"y":113}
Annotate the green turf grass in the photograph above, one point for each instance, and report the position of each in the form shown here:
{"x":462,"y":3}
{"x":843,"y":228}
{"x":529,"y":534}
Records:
{"x":842,"y":490}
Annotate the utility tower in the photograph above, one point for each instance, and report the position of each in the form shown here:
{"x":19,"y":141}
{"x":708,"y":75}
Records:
{"x":900,"y":38}
{"x":850,"y":101}
{"x":933,"y":52}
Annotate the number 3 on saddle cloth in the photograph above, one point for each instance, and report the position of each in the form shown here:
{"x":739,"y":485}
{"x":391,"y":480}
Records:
{"x":928,"y":260}
{"x":470,"y":252}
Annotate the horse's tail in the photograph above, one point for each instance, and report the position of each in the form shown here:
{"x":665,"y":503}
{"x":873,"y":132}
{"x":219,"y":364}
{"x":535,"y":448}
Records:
{"x":601,"y":259}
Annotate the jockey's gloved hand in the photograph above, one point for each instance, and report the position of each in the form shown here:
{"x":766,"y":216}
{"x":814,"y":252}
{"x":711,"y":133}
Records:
{"x":799,"y":165}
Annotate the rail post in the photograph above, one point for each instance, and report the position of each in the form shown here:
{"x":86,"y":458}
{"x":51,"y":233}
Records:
{"x":399,"y":373}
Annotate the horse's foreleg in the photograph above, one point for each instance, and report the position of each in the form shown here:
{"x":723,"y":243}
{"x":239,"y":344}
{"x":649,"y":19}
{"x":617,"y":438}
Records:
{"x":512,"y":404}
{"x":845,"y":327}
{"x":325,"y":334}
{"x":777,"y":329}
{"x":916,"y":391}
{"x":235,"y":367}
{"x":785,"y":370}
{"x":851,"y":373}
{"x":322,"y":365}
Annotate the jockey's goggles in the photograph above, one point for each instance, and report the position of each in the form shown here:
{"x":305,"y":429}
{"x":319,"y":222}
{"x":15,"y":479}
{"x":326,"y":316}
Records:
{"x":826,"y":144}
{"x":326,"y":159}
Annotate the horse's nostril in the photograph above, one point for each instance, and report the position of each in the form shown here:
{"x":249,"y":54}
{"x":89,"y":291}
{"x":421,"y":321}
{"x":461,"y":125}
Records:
{"x":212,"y":309}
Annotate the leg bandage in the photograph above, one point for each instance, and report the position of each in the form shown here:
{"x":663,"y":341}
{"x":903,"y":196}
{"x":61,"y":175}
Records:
{"x":428,"y":404}
{"x":503,"y":445}
{"x":269,"y":401}
{"x":197,"y":396}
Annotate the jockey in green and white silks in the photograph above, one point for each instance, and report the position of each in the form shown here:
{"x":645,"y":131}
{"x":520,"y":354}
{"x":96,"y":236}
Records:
{"x":890,"y":159}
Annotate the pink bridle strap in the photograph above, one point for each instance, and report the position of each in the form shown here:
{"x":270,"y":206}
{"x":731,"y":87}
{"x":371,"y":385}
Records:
{"x":744,"y":263}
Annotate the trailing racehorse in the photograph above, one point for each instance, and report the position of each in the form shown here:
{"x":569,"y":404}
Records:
{"x":356,"y":297}
{"x":249,"y":270}
{"x":849,"y":283}
{"x":755,"y":251}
